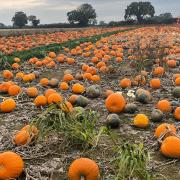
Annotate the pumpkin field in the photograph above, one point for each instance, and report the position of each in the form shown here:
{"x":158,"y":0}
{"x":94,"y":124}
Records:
{"x":92,"y":104}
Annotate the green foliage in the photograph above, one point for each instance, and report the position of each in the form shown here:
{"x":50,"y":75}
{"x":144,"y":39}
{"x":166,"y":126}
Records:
{"x":20,"y":19}
{"x":131,"y":162}
{"x":140,"y":10}
{"x":83,"y":15}
{"x":78,"y":129}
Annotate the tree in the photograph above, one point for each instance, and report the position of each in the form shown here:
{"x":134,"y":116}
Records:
{"x":33,"y":19}
{"x":83,"y":15}
{"x":140,"y":10}
{"x":20,"y":19}
{"x":166,"y":16}
{"x":2,"y":25}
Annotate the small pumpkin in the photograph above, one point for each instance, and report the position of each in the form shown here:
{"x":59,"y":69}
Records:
{"x":44,"y":82}
{"x":54,"y":98}
{"x":143,"y":96}
{"x":40,"y":101}
{"x":125,"y":83}
{"x":7,"y":74}
{"x":131,"y":108}
{"x":141,"y":120}
{"x":82,"y":101}
{"x":171,"y":63}
{"x":8,"y":105}
{"x":164,"y":105}
{"x":32,"y":92}
{"x":170,"y":147}
{"x":156,"y":115}
{"x":66,"y":106}
{"x":93,"y":91}
{"x":177,"y":81}
{"x":48,"y":92}
{"x":177,"y":113}
{"x":158,"y":71}
{"x":11,"y":165}
{"x":78,"y":88}
{"x":64,"y":86}
{"x":14,"y":90}
{"x":165,"y":129}
{"x":68,"y":77}
{"x":176,"y":92}
{"x":155,"y":83}
{"x":72,"y":99}
{"x":115,"y":103}
{"x":52,"y":55}
{"x":83,"y":168}
{"x":113,"y":121}
{"x":53,"y":82}
{"x":22,"y":138}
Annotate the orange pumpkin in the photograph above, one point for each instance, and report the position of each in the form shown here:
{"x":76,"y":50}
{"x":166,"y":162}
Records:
{"x":16,"y":60}
{"x":68,"y":77}
{"x":164,"y":105}
{"x":171,"y":63}
{"x":177,"y":113}
{"x":155,"y":83}
{"x":8,"y":105}
{"x":49,"y":92}
{"x":14,"y":90}
{"x":170,"y":147}
{"x":115,"y":103}
{"x":22,"y":138}
{"x":177,"y":81}
{"x":141,"y":121}
{"x":7,"y":74}
{"x":66,"y":106}
{"x":64,"y":86}
{"x":125,"y":83}
{"x":11,"y":165}
{"x":32,"y":92}
{"x":54,"y":98}
{"x":15,"y":66}
{"x":159,"y":71}
{"x":52,"y":55}
{"x":83,"y":168}
{"x":95,"y":78}
{"x":87,"y":76}
{"x":165,"y":128}
{"x":40,"y":101}
{"x":44,"y":82}
{"x":73,"y":98}
{"x":78,"y":88}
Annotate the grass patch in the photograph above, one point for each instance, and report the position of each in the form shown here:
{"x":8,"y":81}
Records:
{"x":131,"y":162}
{"x":78,"y":128}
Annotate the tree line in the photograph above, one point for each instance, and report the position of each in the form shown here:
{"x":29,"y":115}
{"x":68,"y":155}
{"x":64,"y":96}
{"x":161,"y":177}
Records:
{"x":85,"y":15}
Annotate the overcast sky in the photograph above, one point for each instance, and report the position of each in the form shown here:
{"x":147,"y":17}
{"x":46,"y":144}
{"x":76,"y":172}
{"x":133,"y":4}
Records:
{"x":54,"y":11}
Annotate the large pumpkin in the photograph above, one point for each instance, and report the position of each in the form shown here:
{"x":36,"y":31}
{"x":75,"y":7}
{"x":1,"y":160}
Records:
{"x":11,"y":165}
{"x":170,"y":147}
{"x":83,"y":168}
{"x":115,"y":103}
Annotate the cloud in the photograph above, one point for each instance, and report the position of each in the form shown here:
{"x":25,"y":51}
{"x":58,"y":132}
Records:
{"x":19,"y":4}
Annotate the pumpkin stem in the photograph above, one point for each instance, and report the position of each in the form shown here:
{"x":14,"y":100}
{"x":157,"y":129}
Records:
{"x":83,"y":177}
